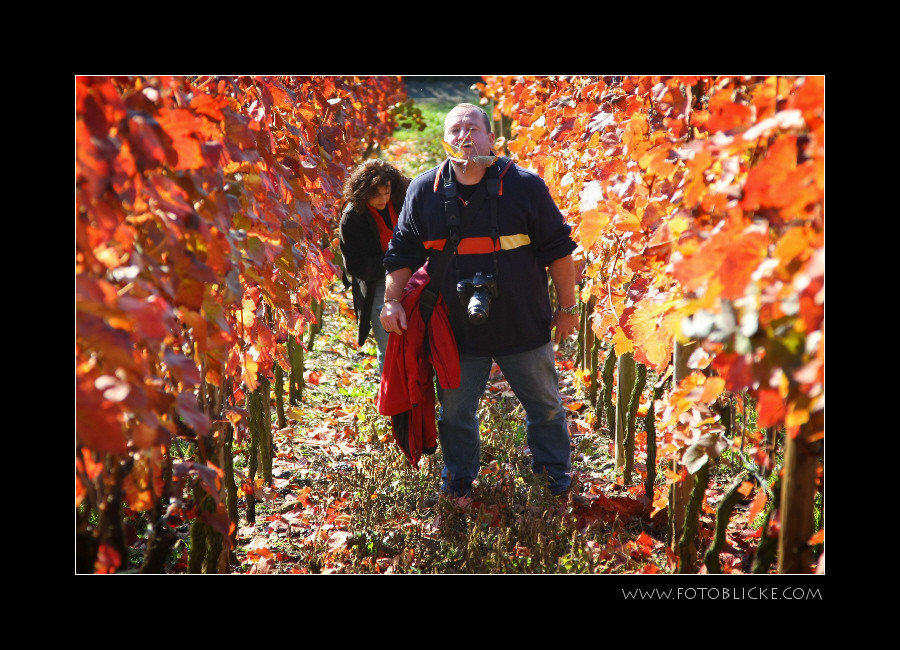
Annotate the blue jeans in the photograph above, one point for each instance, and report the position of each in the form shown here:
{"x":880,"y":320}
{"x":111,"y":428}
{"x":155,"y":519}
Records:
{"x":381,"y":337}
{"x":532,"y":377}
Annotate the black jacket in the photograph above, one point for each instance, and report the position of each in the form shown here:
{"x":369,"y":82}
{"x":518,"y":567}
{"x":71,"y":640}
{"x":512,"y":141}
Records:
{"x":532,"y":234}
{"x":362,"y":257}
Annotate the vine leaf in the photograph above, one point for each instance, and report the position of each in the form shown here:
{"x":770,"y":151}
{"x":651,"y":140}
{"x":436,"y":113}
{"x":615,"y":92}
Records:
{"x":710,"y":445}
{"x":694,"y":458}
{"x":771,"y":408}
{"x":741,"y":258}
{"x":590,"y":227}
{"x":758,"y":505}
{"x":454,"y":152}
{"x":459,"y":155}
{"x":186,"y":405}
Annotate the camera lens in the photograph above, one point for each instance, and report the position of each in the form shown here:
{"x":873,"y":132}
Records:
{"x":478,"y":307}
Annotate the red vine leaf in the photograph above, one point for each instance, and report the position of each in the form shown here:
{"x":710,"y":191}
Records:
{"x":771,"y":408}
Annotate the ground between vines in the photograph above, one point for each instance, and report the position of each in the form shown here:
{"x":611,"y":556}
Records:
{"x":344,"y":499}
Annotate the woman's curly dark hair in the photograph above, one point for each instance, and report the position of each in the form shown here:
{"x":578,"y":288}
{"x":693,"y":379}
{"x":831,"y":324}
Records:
{"x":366,"y":178}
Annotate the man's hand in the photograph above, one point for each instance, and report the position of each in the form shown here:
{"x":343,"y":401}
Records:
{"x":393,"y":317}
{"x":562,"y":271}
{"x":565,"y":324}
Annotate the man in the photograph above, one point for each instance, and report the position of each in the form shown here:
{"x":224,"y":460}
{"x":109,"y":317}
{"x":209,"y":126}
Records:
{"x":512,"y":251}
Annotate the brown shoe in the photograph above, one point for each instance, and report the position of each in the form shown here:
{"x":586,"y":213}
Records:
{"x":573,"y":499}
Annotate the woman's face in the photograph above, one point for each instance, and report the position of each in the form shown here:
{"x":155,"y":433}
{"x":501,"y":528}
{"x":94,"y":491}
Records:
{"x":382,"y":195}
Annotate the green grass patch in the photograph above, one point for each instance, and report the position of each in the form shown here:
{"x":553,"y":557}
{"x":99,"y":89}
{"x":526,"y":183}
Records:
{"x":414,"y":151}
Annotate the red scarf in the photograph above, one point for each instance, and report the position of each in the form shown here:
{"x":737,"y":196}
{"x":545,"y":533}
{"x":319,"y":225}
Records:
{"x":384,"y":233}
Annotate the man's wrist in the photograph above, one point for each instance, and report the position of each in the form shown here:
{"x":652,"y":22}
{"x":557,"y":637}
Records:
{"x":572,"y":311}
{"x":387,"y":300}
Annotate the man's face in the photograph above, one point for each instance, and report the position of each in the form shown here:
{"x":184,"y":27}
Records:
{"x":465,"y":128}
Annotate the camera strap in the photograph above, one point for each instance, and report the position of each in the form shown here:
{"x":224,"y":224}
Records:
{"x":457,"y":220}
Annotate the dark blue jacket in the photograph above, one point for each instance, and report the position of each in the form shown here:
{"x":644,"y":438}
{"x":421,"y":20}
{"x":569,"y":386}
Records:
{"x":533,"y":234}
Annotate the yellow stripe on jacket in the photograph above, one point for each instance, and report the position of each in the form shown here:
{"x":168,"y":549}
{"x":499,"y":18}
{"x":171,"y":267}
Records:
{"x":476,"y":245}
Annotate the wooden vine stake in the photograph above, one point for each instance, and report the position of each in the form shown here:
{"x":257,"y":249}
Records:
{"x":296,"y":354}
{"x":625,"y":376}
{"x":650,"y":428}
{"x":798,"y":491}
{"x":634,"y":401}
{"x":609,"y":364}
{"x":680,"y":493}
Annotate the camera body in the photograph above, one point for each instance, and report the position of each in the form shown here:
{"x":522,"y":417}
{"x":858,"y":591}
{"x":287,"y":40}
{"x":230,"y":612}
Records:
{"x":475,"y":294}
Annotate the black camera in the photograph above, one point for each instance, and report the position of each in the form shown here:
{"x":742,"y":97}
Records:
{"x":475,"y":294}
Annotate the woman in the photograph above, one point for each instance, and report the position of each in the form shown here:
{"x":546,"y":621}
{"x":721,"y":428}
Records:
{"x":373,"y":195}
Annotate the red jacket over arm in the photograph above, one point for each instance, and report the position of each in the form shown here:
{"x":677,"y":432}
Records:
{"x":411,"y":362}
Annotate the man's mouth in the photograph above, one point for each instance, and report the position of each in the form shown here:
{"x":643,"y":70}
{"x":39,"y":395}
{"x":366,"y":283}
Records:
{"x":462,"y":152}
{"x":467,"y":142}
